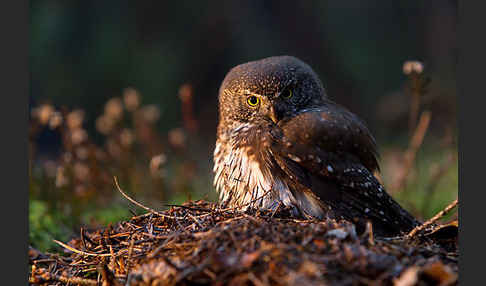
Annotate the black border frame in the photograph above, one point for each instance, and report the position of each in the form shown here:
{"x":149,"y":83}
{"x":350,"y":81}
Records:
{"x":15,"y":90}
{"x":471,"y":65}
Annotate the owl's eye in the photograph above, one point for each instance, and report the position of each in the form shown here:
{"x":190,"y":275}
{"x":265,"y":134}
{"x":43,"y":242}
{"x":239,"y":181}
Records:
{"x":253,"y":101}
{"x":287,"y":93}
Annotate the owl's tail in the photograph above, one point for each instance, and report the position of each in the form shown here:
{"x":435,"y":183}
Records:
{"x":388,"y":218}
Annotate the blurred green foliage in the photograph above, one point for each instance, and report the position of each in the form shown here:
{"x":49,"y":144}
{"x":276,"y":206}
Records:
{"x":45,"y":225}
{"x":417,"y":195}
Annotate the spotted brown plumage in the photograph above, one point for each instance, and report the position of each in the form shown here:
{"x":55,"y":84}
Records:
{"x":282,"y":141}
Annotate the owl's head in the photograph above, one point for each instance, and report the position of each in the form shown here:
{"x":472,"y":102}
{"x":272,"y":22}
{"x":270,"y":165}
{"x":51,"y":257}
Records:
{"x":269,"y":90}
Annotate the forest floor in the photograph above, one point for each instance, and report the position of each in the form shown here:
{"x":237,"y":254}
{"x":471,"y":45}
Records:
{"x":198,"y":244}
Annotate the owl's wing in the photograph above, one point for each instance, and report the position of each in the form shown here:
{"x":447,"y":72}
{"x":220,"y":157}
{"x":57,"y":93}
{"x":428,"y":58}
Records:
{"x":331,"y":152}
{"x":333,"y":128}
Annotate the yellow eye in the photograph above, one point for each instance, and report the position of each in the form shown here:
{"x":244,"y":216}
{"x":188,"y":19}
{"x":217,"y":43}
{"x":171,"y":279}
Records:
{"x":287,"y":94}
{"x":253,"y":101}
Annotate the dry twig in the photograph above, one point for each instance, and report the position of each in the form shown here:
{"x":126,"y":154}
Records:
{"x":87,"y":253}
{"x":47,"y":277}
{"x":139,"y":204}
{"x":433,"y":219}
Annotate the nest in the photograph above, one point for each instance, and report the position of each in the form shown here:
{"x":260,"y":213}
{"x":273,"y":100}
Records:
{"x":197,"y":243}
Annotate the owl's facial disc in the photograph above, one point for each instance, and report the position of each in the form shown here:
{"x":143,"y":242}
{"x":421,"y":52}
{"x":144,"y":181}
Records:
{"x":281,"y":86}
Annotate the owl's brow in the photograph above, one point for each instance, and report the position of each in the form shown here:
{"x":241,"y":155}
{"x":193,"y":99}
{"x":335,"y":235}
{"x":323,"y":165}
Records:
{"x":242,"y":92}
{"x":289,"y":83}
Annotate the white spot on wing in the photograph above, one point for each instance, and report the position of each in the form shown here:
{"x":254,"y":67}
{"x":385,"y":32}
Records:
{"x":294,"y":158}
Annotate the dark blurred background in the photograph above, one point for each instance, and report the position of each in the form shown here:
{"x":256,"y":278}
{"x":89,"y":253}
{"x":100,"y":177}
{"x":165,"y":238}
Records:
{"x":85,"y":53}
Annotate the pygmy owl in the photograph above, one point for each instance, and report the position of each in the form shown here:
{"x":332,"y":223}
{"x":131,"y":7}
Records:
{"x":282,"y":141}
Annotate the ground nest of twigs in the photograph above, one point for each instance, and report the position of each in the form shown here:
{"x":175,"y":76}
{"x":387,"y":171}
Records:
{"x":199,"y":244}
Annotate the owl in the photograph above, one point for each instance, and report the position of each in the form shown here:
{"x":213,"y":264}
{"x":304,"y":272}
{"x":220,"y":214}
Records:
{"x":282,"y":142}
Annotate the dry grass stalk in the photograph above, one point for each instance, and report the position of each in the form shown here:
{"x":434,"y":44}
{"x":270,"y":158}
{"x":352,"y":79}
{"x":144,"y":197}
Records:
{"x":192,"y":217}
{"x":410,"y":154}
{"x":433,"y":219}
{"x":84,"y":252}
{"x":139,"y":204}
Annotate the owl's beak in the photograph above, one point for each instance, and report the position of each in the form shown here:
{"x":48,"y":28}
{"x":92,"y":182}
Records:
{"x":273,"y":115}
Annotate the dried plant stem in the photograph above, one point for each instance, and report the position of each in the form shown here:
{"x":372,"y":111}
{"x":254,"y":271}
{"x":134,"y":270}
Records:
{"x":433,"y":219}
{"x":250,"y":202}
{"x":414,"y":146}
{"x":130,"y":252}
{"x":139,"y":204}
{"x":414,"y":102}
{"x":67,"y":280}
{"x":186,"y":96}
{"x":107,"y":276}
{"x":88,"y":253}
{"x":420,"y":131}
{"x":193,"y":217}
